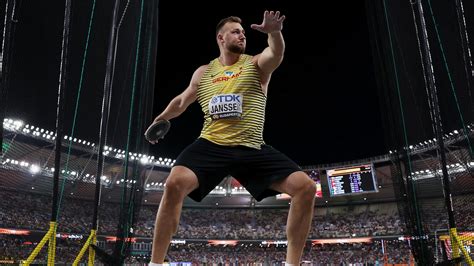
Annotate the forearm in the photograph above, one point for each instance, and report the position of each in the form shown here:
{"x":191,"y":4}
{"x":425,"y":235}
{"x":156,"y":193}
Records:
{"x":276,"y":43}
{"x":175,"y":108}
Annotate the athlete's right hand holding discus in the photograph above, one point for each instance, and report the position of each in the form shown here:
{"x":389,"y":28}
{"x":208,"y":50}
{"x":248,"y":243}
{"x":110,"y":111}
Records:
{"x":157,"y":130}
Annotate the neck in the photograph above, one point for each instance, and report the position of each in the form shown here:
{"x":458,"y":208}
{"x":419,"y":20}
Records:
{"x":228,"y":59}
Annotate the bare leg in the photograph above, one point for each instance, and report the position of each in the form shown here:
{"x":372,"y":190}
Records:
{"x":302,"y":191}
{"x":179,"y":184}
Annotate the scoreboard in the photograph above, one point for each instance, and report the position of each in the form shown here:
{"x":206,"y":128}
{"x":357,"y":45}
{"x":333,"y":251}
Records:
{"x":351,"y":180}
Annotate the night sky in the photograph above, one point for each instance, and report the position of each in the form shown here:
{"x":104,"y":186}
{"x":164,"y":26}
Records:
{"x":322,"y":101}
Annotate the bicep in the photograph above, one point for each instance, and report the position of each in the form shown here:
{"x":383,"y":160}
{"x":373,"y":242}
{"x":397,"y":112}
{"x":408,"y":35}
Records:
{"x":267,"y":61}
{"x":189,"y":95}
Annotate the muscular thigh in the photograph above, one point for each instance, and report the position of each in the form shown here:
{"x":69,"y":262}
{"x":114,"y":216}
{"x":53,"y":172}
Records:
{"x":293,"y":183}
{"x":182,"y":179}
{"x":256,"y":170}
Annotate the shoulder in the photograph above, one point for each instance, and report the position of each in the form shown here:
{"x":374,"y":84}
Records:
{"x":246,"y":58}
{"x":199,"y":72}
{"x":202,"y":69}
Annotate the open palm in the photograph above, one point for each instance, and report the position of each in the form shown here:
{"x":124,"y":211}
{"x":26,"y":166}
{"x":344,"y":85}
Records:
{"x":272,"y":22}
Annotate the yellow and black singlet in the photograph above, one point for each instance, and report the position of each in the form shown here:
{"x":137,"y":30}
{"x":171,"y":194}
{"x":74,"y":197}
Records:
{"x":233,"y":103}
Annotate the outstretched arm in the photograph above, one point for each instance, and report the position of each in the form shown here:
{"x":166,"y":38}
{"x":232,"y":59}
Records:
{"x":271,"y":56}
{"x":181,"y":102}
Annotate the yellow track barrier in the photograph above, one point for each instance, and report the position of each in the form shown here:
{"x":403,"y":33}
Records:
{"x":92,"y":239}
{"x":456,"y":244}
{"x":49,"y":236}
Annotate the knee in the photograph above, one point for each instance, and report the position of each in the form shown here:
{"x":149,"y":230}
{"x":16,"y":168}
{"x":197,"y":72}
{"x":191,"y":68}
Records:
{"x":307,"y":189}
{"x":175,"y":188}
{"x":180,"y":183}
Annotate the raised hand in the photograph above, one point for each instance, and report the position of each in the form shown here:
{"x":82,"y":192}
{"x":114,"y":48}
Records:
{"x":272,"y":22}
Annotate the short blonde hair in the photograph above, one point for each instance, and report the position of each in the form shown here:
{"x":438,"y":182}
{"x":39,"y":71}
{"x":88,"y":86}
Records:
{"x":226,"y":20}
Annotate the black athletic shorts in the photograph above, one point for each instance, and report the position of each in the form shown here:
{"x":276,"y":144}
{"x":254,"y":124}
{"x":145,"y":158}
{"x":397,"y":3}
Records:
{"x":255,"y":169}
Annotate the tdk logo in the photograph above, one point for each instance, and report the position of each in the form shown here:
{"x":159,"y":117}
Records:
{"x":225,"y":98}
{"x":229,"y":73}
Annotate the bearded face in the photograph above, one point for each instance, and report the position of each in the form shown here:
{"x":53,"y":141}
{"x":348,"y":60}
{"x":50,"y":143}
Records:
{"x":233,"y":38}
{"x":238,"y":48}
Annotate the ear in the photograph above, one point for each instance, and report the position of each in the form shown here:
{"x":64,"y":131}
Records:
{"x":220,"y":37}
